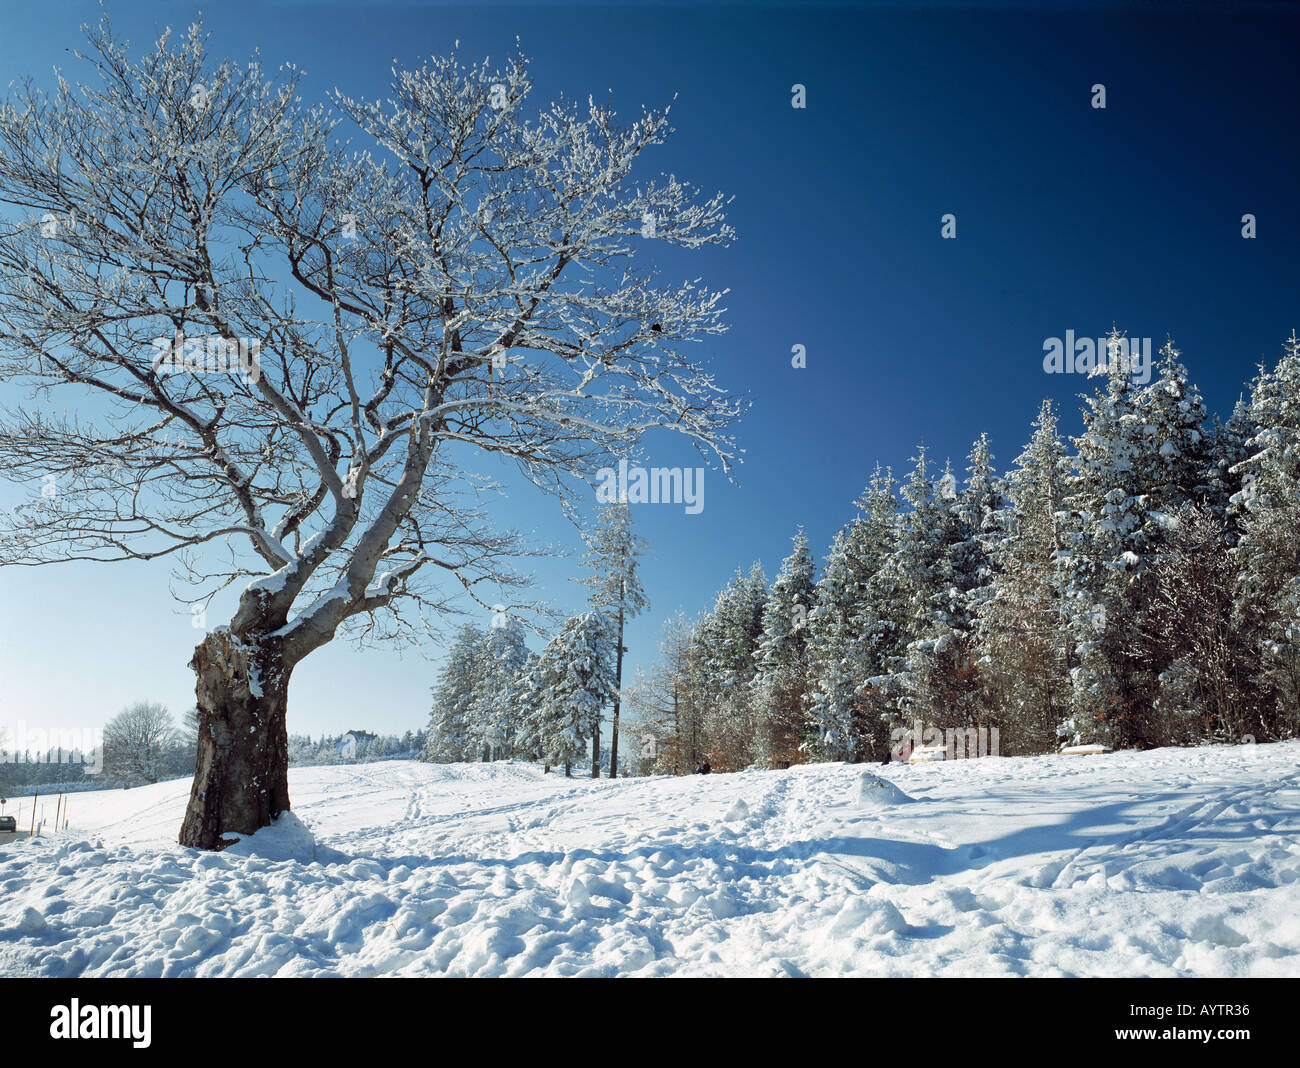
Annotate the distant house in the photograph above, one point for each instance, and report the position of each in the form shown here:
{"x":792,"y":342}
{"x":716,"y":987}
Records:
{"x":347,"y":745}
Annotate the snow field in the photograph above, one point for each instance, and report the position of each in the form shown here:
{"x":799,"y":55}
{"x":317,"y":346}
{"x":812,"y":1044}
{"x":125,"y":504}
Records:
{"x":1173,"y":862}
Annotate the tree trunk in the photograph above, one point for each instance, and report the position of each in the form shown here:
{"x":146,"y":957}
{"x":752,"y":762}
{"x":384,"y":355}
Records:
{"x":618,"y":697}
{"x":241,"y":776}
{"x":595,"y":752}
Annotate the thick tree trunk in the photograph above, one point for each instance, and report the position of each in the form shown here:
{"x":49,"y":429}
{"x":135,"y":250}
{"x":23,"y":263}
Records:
{"x":241,"y":778}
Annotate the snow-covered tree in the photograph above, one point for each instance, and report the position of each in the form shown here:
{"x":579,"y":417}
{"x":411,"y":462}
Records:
{"x":493,"y":714}
{"x":1021,"y":624}
{"x":573,"y":680}
{"x":922,"y":560}
{"x":301,"y":347}
{"x":1267,"y":598}
{"x":450,"y":736}
{"x":941,"y":680}
{"x":1107,"y":542}
{"x":1227,"y":451}
{"x":855,"y":629}
{"x":780,"y":686}
{"x":137,"y":744}
{"x":728,"y":639}
{"x":615,"y":585}
{"x":1208,"y":672}
{"x":1174,"y":466}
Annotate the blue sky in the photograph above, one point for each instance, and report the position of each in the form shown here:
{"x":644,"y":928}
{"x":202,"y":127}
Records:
{"x":1068,"y":218}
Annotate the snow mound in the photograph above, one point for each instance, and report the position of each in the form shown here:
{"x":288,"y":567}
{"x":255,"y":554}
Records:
{"x":738,"y":811}
{"x":863,"y":917}
{"x":288,"y":838}
{"x":873,"y":790}
{"x":31,"y":922}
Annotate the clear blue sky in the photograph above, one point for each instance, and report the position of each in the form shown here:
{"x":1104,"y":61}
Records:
{"x":1068,"y":218}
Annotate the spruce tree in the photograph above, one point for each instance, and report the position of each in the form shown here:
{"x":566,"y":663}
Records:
{"x":1023,"y":638}
{"x":1267,"y":595}
{"x":616,"y":590}
{"x":494,"y":710}
{"x":1108,"y":544}
{"x":450,"y":735}
{"x":573,"y":681}
{"x":781,"y":680}
{"x":855,"y":630}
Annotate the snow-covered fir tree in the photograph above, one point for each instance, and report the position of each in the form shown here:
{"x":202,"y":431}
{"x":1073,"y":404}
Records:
{"x":450,"y":735}
{"x":729,"y":638}
{"x":494,"y":711}
{"x":1023,"y":638}
{"x":615,"y":585}
{"x":1267,"y":601}
{"x":1108,"y":542}
{"x":855,"y":629}
{"x":941,"y":681}
{"x":1173,"y":467}
{"x":572,"y":682}
{"x":780,"y":683}
{"x":1227,"y":450}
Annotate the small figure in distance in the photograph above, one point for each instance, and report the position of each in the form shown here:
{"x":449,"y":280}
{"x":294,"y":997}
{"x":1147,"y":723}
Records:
{"x":703,"y":769}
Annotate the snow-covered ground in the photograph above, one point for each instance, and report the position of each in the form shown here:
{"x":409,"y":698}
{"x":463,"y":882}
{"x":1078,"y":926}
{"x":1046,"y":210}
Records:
{"x":1174,"y":862}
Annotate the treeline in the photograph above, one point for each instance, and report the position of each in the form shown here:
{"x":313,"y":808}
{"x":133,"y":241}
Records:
{"x":142,"y":744}
{"x":496,"y":700}
{"x":305,"y":751}
{"x":1138,"y":587}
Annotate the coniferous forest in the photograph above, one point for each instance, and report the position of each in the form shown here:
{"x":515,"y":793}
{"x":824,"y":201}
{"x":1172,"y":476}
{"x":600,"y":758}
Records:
{"x":1135,"y":586}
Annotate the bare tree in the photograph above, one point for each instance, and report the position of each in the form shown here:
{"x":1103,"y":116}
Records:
{"x":138,"y":742}
{"x":293,"y":362}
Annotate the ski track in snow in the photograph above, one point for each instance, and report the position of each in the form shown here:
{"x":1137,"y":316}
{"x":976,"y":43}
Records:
{"x":1173,"y":862}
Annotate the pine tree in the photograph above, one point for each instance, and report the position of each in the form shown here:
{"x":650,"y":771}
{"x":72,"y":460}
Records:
{"x":494,"y":710}
{"x":574,"y":678}
{"x":616,"y":590}
{"x":941,"y":679}
{"x":1107,"y":550}
{"x":781,"y":678}
{"x":1023,"y":638}
{"x":854,"y":630}
{"x":728,"y":639}
{"x":1227,"y":451}
{"x":980,"y":512}
{"x":1173,"y":468}
{"x":450,"y":733}
{"x":1267,"y":595}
